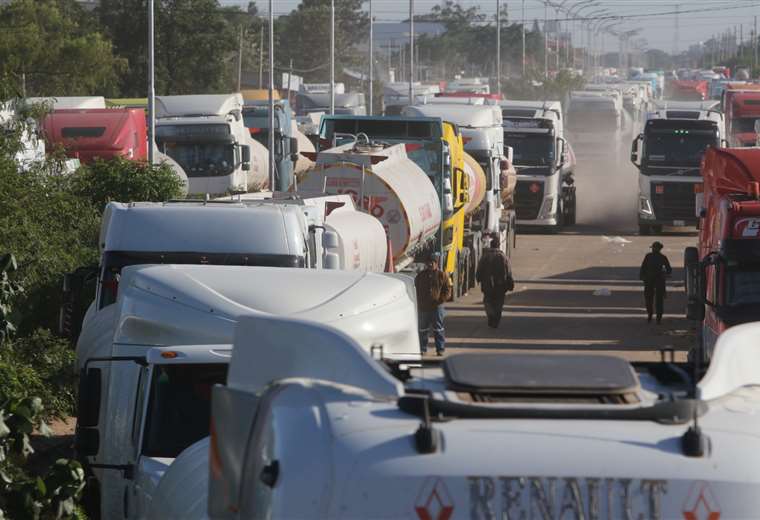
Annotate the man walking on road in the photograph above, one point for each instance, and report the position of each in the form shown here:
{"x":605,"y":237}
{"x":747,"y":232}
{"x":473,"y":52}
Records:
{"x":433,"y":289}
{"x":654,"y":269}
{"x":495,"y":276}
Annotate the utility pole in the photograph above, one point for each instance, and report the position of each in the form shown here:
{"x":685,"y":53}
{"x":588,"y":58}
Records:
{"x":371,"y":58}
{"x":675,"y":32}
{"x":332,"y":57}
{"x":754,"y":47}
{"x":272,"y":179}
{"x":151,"y":84}
{"x":261,"y":57}
{"x":498,"y":47}
{"x":411,"y":52}
{"x":240,"y":60}
{"x":546,"y":40}
{"x":523,"y":39}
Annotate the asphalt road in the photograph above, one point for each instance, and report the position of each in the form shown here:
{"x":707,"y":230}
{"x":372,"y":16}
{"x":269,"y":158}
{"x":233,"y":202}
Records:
{"x":579,"y":290}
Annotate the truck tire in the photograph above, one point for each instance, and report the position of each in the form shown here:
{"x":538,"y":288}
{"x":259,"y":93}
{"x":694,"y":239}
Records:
{"x":464,"y":281}
{"x":645,"y":230}
{"x":569,"y":206}
{"x":695,"y":308}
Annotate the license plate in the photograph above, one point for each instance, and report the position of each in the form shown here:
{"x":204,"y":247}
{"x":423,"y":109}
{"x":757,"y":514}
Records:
{"x":679,"y":223}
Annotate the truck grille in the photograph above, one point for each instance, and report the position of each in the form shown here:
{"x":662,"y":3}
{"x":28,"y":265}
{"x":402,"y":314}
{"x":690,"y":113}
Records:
{"x":676,"y":201}
{"x":528,"y":198}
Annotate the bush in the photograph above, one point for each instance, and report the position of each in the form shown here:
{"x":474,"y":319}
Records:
{"x":123,"y":180}
{"x":41,"y":365}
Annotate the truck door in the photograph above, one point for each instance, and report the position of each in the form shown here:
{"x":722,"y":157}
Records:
{"x":136,"y":502}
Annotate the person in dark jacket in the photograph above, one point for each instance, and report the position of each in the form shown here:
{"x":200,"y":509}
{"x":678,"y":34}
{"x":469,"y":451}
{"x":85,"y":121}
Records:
{"x":654,"y":269}
{"x":433,"y":289}
{"x":495,"y":276}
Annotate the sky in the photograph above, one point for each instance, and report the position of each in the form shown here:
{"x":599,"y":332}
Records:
{"x":698,"y":19}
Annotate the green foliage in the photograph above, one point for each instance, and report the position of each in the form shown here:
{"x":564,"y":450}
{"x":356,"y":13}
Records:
{"x":194,"y":41}
{"x":42,"y":365}
{"x":49,"y":46}
{"x":304,"y":37}
{"x":9,"y":290}
{"x":24,"y":496}
{"x":123,"y":180}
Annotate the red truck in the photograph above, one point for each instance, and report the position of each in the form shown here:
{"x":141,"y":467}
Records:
{"x":86,"y":134}
{"x":741,"y":107}
{"x":687,"y":90}
{"x":723,"y":273}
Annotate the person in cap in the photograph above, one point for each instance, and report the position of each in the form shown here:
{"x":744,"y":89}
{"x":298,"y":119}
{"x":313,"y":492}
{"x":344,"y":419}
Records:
{"x":654,"y":269}
{"x":433,"y":289}
{"x":495,"y":276}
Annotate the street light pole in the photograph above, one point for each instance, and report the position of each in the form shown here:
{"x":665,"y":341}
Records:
{"x":498,"y":47}
{"x":523,"y":39}
{"x":411,"y":52}
{"x":371,"y":58}
{"x":332,"y":55}
{"x":270,"y":140}
{"x":546,"y":39}
{"x":151,"y":85}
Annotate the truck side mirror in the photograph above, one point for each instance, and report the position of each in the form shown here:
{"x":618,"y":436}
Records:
{"x":245,"y":158}
{"x":78,"y":291}
{"x":293,"y":149}
{"x":635,"y":150}
{"x":510,"y":153}
{"x":330,"y":240}
{"x":331,"y":261}
{"x":712,"y":259}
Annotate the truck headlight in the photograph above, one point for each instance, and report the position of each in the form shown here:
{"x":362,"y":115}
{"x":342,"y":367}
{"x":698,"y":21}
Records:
{"x":547,"y":208}
{"x":645,"y":208}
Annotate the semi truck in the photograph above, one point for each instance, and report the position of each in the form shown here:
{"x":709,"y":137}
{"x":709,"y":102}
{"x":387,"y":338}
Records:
{"x":723,"y":271}
{"x":596,"y":125}
{"x":308,"y":426}
{"x":141,"y":405}
{"x":741,"y":108}
{"x":668,"y":154}
{"x":256,"y":119}
{"x":544,"y":160}
{"x":105,"y":133}
{"x":388,"y":185}
{"x":207,"y":136}
{"x":687,"y":90}
{"x":483,"y":137}
{"x":433,"y":145}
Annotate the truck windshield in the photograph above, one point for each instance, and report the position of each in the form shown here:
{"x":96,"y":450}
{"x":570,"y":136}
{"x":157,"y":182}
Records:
{"x":203,"y":159}
{"x":677,"y":147}
{"x":531,"y":149}
{"x":744,"y":125}
{"x":179,"y":407}
{"x":743,"y":286}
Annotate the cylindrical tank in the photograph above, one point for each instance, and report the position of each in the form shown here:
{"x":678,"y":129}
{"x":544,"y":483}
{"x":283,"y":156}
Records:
{"x":394,"y":190}
{"x":304,"y":145}
{"x":363,"y":245}
{"x":183,"y":490}
{"x":508,"y":181}
{"x":258,"y":175}
{"x":477,"y":184}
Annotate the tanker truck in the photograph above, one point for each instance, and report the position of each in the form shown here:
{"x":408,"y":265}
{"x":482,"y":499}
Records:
{"x":140,"y":405}
{"x":467,"y":198}
{"x":387,"y":185}
{"x":207,"y":136}
{"x":309,"y":427}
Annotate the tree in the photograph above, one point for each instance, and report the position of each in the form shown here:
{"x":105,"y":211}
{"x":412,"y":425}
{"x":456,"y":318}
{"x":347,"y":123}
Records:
{"x":195,"y":43}
{"x":306,"y":37}
{"x":48,"y":47}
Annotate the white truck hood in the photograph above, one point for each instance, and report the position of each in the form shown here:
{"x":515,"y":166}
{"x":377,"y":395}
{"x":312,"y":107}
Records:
{"x":192,"y":304}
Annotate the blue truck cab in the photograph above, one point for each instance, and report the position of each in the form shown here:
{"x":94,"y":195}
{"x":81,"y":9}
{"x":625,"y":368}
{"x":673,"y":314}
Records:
{"x":256,"y":118}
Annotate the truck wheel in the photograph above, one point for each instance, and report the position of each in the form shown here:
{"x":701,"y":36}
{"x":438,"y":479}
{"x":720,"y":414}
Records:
{"x":645,"y":230}
{"x":572,"y":210}
{"x":464,"y":281}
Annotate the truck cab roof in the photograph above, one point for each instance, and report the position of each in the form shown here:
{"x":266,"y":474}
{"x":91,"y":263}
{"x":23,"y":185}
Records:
{"x":463,"y":114}
{"x":199,"y":105}
{"x":201,"y":227}
{"x":590,"y":430}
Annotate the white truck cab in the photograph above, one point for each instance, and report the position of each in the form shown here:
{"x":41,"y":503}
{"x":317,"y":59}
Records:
{"x":321,"y":430}
{"x":596,"y":125}
{"x":544,"y":160}
{"x":668,"y":153}
{"x":178,"y":306}
{"x":207,"y":137}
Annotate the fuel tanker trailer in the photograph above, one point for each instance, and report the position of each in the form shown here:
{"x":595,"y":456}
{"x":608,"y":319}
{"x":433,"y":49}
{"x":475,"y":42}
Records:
{"x":385,"y":183}
{"x":476,"y":186}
